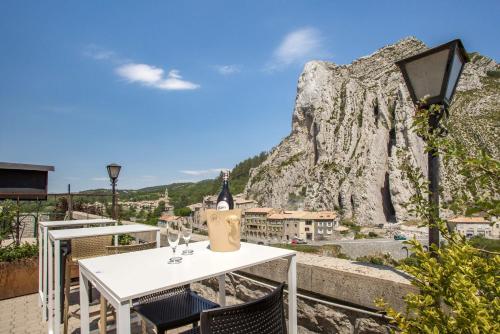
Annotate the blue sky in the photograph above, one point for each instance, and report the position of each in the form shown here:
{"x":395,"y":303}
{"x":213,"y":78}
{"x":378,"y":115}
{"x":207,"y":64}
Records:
{"x":176,"y":90}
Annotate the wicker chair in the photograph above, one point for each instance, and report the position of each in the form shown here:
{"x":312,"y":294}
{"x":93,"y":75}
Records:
{"x":173,"y":308}
{"x":82,"y":248}
{"x":262,"y":316}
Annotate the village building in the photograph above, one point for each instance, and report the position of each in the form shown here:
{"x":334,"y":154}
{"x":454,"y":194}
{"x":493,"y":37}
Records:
{"x":473,"y":226}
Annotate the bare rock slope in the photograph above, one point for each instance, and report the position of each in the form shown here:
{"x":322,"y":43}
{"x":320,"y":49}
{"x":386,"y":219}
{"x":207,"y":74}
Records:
{"x":348,"y":123}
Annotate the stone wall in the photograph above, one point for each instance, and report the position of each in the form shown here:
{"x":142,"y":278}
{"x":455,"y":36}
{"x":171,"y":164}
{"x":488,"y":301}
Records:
{"x":329,"y":281}
{"x":313,"y":317}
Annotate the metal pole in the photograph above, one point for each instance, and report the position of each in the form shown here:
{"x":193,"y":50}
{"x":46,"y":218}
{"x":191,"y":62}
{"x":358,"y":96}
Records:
{"x":433,"y":177}
{"x":113,"y":206}
{"x":70,"y":203}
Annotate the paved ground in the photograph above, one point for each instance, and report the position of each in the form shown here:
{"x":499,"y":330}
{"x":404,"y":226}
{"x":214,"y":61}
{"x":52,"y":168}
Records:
{"x":22,"y":315}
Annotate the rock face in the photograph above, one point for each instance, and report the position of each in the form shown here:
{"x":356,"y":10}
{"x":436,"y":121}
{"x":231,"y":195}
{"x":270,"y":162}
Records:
{"x":348,"y":123}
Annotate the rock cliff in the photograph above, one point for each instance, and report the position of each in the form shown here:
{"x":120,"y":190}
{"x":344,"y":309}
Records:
{"x":347,"y":125}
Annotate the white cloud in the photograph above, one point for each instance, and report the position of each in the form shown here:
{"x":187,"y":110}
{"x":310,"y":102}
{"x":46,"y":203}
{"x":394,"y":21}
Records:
{"x":98,"y":53}
{"x":152,"y":76}
{"x":201,"y":172}
{"x":297,"y":47}
{"x":227,"y":69}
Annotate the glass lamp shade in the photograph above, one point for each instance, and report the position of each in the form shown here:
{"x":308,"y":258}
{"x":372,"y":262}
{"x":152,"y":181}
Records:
{"x":113,"y":171}
{"x":433,"y":75}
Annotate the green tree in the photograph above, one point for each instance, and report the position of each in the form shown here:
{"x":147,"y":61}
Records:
{"x":7,"y":216}
{"x":458,"y":284}
{"x":183,"y":212}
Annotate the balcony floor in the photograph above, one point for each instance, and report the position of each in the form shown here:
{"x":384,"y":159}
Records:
{"x":21,"y":315}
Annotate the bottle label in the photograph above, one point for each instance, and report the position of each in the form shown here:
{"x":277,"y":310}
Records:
{"x":222,"y":206}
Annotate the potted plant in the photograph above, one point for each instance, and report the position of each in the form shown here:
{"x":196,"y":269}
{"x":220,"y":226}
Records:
{"x":18,"y":262}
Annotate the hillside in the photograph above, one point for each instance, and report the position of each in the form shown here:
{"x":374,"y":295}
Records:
{"x":349,"y":122}
{"x":182,"y":194}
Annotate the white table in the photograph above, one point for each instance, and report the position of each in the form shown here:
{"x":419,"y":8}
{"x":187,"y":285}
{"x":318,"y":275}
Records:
{"x":43,"y":228}
{"x":54,"y":251}
{"x":124,"y":277}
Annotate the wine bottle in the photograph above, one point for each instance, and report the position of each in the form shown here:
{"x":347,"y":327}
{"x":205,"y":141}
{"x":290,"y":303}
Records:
{"x":225,"y":199}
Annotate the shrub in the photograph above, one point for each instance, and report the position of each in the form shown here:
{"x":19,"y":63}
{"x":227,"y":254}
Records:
{"x":457,"y":284}
{"x":372,"y":235}
{"x":16,"y":252}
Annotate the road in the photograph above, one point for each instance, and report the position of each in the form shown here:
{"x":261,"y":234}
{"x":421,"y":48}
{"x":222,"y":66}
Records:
{"x":364,"y":247}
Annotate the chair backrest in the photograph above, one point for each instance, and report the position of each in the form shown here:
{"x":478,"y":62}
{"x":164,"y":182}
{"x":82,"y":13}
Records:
{"x":263,"y":316}
{"x":84,"y":248}
{"x":130,"y":248}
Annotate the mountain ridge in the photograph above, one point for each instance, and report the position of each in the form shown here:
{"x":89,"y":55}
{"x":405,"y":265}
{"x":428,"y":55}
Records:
{"x":347,"y":125}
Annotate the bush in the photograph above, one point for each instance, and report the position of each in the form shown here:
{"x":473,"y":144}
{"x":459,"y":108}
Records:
{"x":359,"y":235}
{"x":13,"y":252}
{"x":492,"y":245}
{"x":378,"y":259}
{"x":493,"y":74}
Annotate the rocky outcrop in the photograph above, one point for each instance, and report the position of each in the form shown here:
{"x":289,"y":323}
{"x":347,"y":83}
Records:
{"x":348,"y":123}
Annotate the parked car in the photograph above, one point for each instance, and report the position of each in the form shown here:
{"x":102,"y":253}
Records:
{"x":298,"y":241}
{"x":399,"y":237}
{"x":260,"y":243}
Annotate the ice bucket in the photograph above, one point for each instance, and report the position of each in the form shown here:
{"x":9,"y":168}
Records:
{"x":224,"y":230}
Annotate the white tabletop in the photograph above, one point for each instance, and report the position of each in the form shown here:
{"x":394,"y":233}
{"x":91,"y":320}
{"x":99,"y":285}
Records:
{"x":132,"y":275}
{"x":74,"y":233}
{"x":63,"y":223}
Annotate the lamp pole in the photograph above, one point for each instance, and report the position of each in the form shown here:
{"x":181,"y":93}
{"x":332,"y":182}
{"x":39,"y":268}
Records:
{"x":433,"y":179}
{"x":431,"y":78}
{"x":113,"y":205}
{"x":113,"y":172}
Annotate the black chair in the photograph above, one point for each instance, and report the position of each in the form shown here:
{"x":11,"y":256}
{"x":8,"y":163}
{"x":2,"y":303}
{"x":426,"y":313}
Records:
{"x":173,"y":308}
{"x":262,"y":316}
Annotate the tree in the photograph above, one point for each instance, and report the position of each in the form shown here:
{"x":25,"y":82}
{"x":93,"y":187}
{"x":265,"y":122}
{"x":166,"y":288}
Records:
{"x":7,"y":216}
{"x":458,"y":284}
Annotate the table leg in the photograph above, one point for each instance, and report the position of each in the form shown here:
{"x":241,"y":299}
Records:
{"x":57,"y":282}
{"x":292,"y":294}
{"x":116,"y":236}
{"x":123,"y":319}
{"x":50,"y":271}
{"x":222,"y":289}
{"x":84,"y":304}
{"x":45,"y":272}
{"x":40,"y":269}
{"x":158,"y":239}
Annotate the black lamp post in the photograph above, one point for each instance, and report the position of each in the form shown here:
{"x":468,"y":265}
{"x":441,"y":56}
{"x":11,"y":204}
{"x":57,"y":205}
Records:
{"x":431,"y":78}
{"x":113,"y":172}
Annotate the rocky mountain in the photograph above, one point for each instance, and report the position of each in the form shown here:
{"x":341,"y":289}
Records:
{"x":348,"y":123}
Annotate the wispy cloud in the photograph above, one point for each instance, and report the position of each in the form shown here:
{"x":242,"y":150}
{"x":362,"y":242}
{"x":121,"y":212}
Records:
{"x":227,"y":69}
{"x":98,"y":53}
{"x":144,"y":74}
{"x":152,"y":76}
{"x":203,"y":172}
{"x":297,"y":46}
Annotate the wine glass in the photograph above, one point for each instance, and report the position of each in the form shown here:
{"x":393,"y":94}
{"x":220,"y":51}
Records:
{"x":173,"y":235}
{"x":187,"y":230}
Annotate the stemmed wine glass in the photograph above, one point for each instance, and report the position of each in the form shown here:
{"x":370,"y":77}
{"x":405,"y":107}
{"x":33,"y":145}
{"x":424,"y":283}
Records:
{"x":187,"y":230}
{"x":173,"y":235}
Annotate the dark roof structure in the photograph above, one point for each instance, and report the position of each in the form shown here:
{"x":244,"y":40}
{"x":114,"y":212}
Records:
{"x":24,"y":181}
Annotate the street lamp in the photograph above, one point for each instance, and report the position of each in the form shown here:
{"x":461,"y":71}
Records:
{"x":113,"y":172}
{"x":431,"y":78}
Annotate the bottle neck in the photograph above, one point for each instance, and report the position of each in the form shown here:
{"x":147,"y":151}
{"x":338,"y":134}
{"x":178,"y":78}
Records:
{"x":225,"y":184}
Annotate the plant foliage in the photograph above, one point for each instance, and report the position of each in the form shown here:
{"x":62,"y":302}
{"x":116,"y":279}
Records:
{"x":459,"y":290}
